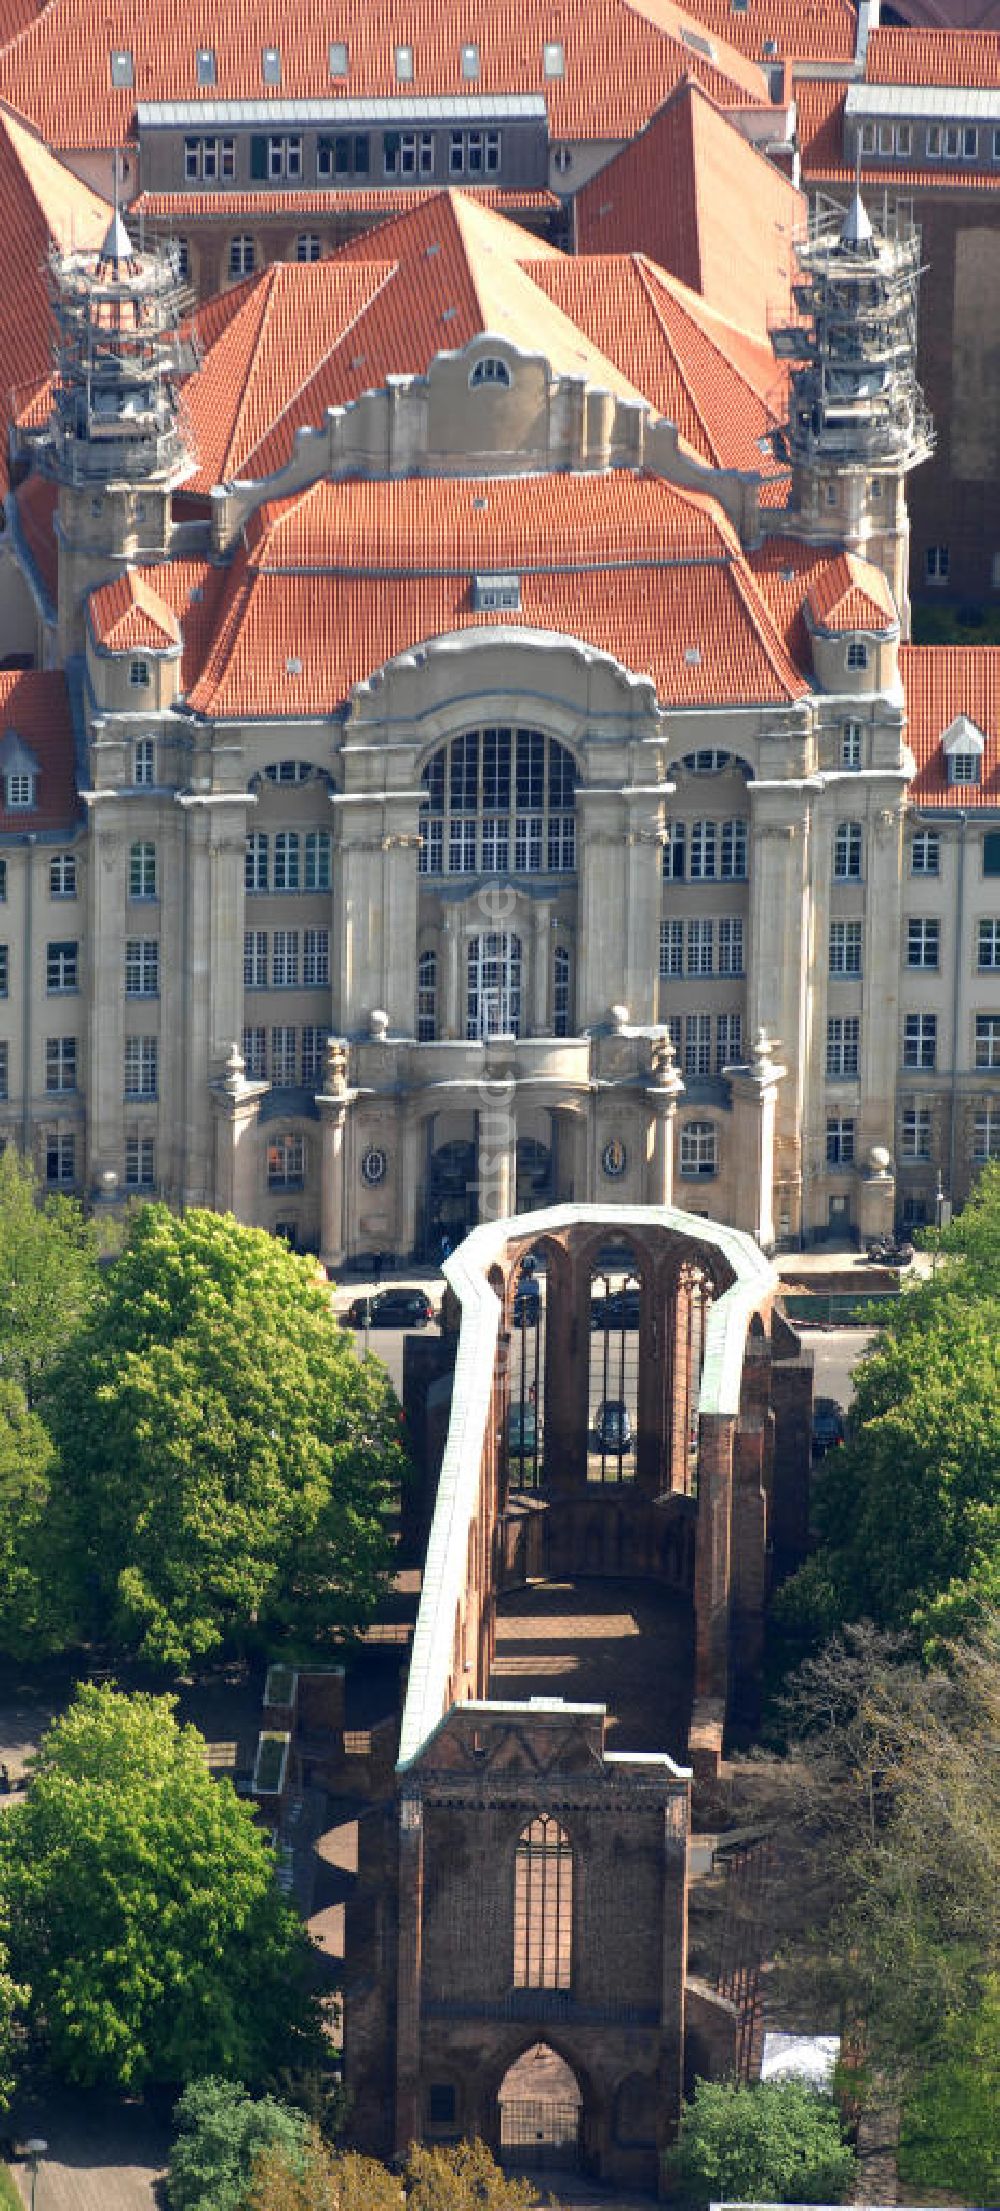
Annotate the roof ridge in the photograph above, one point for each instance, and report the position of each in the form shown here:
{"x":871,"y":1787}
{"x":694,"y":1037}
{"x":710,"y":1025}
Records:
{"x":772,"y":642}
{"x":694,"y":400}
{"x":390,"y":269}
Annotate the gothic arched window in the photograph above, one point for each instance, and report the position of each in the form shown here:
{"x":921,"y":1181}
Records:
{"x":543,"y":1906}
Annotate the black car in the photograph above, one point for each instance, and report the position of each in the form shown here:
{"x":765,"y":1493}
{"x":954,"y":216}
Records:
{"x":390,"y":1309}
{"x":829,"y":1425}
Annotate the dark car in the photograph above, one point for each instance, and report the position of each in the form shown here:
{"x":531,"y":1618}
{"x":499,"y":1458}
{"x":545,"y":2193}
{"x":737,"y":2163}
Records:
{"x":619,"y":1309}
{"x":889,"y":1251}
{"x":829,"y":1425}
{"x":527,"y":1305}
{"x":390,"y":1309}
{"x":613,"y":1427}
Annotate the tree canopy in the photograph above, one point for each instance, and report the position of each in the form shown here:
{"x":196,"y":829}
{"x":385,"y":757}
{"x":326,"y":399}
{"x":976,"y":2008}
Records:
{"x":225,"y":1458}
{"x":143,"y":1912}
{"x":48,"y":1275}
{"x":459,"y":2177}
{"x":774,"y":2142}
{"x":222,"y":2135}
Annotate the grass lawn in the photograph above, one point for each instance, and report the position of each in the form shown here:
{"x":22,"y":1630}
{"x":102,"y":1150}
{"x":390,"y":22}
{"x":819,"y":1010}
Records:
{"x":9,"y":2198}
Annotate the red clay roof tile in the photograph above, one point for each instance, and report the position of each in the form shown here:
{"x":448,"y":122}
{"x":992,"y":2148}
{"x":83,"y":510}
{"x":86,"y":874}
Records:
{"x":787,"y":30}
{"x":41,"y":200}
{"x":849,"y":594}
{"x":130,"y":613}
{"x":35,"y":705}
{"x":941,"y":682}
{"x":898,"y":55}
{"x":36,"y":501}
{"x":178,"y":209}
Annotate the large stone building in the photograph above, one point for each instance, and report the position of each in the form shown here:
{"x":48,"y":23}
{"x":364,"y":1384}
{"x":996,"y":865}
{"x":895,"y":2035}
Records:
{"x":565,"y":769}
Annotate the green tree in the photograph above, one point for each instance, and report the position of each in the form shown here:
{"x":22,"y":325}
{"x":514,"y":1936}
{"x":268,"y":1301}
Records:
{"x":227,"y":1460}
{"x":465,"y":2178}
{"x":29,"y":1595}
{"x":778,"y":2142}
{"x":324,"y":2183}
{"x":950,"y":2135}
{"x":48,"y":1275}
{"x":222,"y":2133}
{"x":143,"y":1910}
{"x":13,"y":1998}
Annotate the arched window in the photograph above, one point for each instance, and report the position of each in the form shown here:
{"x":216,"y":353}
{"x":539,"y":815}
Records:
{"x":847,"y":849}
{"x":543,"y":1906}
{"x":499,"y":802}
{"x":427,"y":976}
{"x":493,"y":1006}
{"x":142,"y":870}
{"x":560,"y":991}
{"x":489,"y":369}
{"x":699,"y":1150}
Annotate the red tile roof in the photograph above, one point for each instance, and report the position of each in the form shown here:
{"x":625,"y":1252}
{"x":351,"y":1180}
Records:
{"x":181,"y":208}
{"x":41,"y":200}
{"x":941,"y":682}
{"x":129,"y":614}
{"x":789,"y":30}
{"x":820,"y":105}
{"x":36,"y":707}
{"x":36,"y":502}
{"x":849,"y":594}
{"x":329,"y":586}
{"x":790,"y":574}
{"x":941,"y":178}
{"x":926,"y":57}
{"x":674,"y":194}
{"x":620,"y":60}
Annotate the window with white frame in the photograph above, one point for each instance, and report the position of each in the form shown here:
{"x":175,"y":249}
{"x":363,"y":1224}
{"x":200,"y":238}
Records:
{"x":139,"y":675}
{"x":140,"y":1161}
{"x":923,"y":943}
{"x":920,"y":1040}
{"x":60,"y":1063}
{"x":699,"y":947}
{"x":285,"y":1163}
{"x":493,"y":985}
{"x":255,"y":863}
{"x":989,"y":944}
{"x":20,"y":792}
{"x":142,"y":869}
{"x":255,"y":1052}
{"x":285,"y":959}
{"x":986,"y":1133}
{"x":242,"y":254}
{"x":845,"y":947}
{"x":915,"y":1132}
{"x":144,"y":762}
{"x":315,"y":958}
{"x":307,"y":246}
{"x":848,"y":847}
{"x":699,"y":1154}
{"x":964,"y":767}
{"x":60,"y":1160}
{"x":141,"y":1066}
{"x":850,"y":745}
{"x":843,"y":1045}
{"x":698,"y":1044}
{"x":988,"y":1040}
{"x":561,"y":978}
{"x":731,"y":945}
{"x":142,"y":967}
{"x":734,"y":851}
{"x":932,"y":141}
{"x":671,"y":948}
{"x":255,"y":959}
{"x":840,"y":1139}
{"x":495,"y":792}
{"x":728,"y":1041}
{"x":317,"y":860}
{"x":313,"y":1047}
{"x":286,"y":860}
{"x":925,"y":853}
{"x":704,"y":851}
{"x":937,"y":562}
{"x":284,"y":1057}
{"x":62,"y":967}
{"x":284,"y":157}
{"x":62,"y":875}
{"x":408,"y":153}
{"x":673,"y":851}
{"x":427,"y":997}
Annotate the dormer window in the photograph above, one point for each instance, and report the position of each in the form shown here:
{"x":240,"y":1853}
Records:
{"x":963,"y":746}
{"x":121,"y":68}
{"x":20,"y":792}
{"x":553,"y":58}
{"x":857,"y":655}
{"x":404,"y":65}
{"x":495,"y":594}
{"x":138,"y":675}
{"x":490,"y":369}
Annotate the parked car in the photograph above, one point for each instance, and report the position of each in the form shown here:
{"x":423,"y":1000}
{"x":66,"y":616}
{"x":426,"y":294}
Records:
{"x":527,"y":1305}
{"x":522,"y":1430}
{"x":829,"y":1425}
{"x":889,"y":1251}
{"x":613,"y":1426}
{"x":390,"y":1309}
{"x":618,"y":1309}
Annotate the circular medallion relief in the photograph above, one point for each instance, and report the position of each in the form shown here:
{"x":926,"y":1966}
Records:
{"x":614,"y":1158}
{"x":374,"y":1166}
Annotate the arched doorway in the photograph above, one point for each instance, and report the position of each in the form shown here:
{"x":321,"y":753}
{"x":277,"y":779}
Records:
{"x":451,"y":1194}
{"x":541,"y":2109}
{"x":535,"y":1175}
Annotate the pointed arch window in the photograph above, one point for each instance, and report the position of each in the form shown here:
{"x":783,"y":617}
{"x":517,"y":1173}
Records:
{"x":543,"y":1906}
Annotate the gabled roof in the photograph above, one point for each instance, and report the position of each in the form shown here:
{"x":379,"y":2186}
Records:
{"x":41,"y":201}
{"x":679,"y":193}
{"x":34,"y":707}
{"x":329,"y":586}
{"x":619,"y":60}
{"x":850,"y":594}
{"x":925,"y":57}
{"x":784,"y":30}
{"x":37,"y":499}
{"x":840,"y":591}
{"x":942,"y":682}
{"x":129,"y":615}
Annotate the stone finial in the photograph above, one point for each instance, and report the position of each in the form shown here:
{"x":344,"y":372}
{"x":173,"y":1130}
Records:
{"x":762,"y":1053}
{"x":378,"y":1023}
{"x":108,"y":1186}
{"x":663,"y":1060}
{"x":879,"y":1163}
{"x":235,"y":1075}
{"x":620,"y":1018}
{"x":335,"y":1068}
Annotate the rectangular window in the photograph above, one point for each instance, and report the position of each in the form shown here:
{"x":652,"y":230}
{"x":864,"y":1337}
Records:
{"x":731,"y":946}
{"x":734,"y":851}
{"x":915,"y":1132}
{"x":20,"y":792}
{"x":869,"y":138}
{"x":143,"y":762}
{"x":857,"y":655}
{"x":850,"y":745}
{"x":255,"y":868}
{"x":404,"y":65}
{"x":140,"y":1161}
{"x":848,"y":845}
{"x":255,"y":1053}
{"x":60,"y":1159}
{"x":286,"y":860}
{"x":527,"y":843}
{"x":141,"y":1061}
{"x":562,"y":843}
{"x":142,"y":967}
{"x":843,"y":1045}
{"x":671,"y":948}
{"x":316,"y":958}
{"x":284,"y":1058}
{"x":839,"y":1140}
{"x":728,"y":1041}
{"x":313,"y":1047}
{"x":964,"y":767}
{"x":937,"y":561}
{"x":496,"y":844}
{"x":952,"y":141}
{"x":255,"y":959}
{"x":270,"y":65}
{"x":698,"y":1044}
{"x":317,"y":855}
{"x":142,"y":871}
{"x":285,"y":959}
{"x":703,"y":851}
{"x":699,"y":947}
{"x":4,"y":970}
{"x":985,"y":1133}
{"x":60,"y":1063}
{"x":462,"y":846}
{"x":192,"y":159}
{"x":920,"y":1040}
{"x":4,"y":1069}
{"x":470,"y":63}
{"x":923,"y":943}
{"x":933,"y":142}
{"x":970,"y":143}
{"x":925,"y":853}
{"x":431,"y":856}
{"x":62,"y":967}
{"x":62,"y":875}
{"x":553,"y":58}
{"x":286,"y":1163}
{"x":673,"y":852}
{"x":845,"y":947}
{"x":339,"y":58}
{"x":991,"y":852}
{"x":989,"y":944}
{"x":988,"y":1040}
{"x":3,"y":882}
{"x":904,"y":139}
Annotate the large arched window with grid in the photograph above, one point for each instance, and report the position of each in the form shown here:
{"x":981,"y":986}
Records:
{"x":499,"y":802}
{"x":543,"y":1906}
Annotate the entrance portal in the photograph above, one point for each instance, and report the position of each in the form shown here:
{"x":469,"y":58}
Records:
{"x":451,"y":1195}
{"x":540,"y":2113}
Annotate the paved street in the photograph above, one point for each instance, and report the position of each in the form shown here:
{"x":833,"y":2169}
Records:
{"x":98,"y":2159}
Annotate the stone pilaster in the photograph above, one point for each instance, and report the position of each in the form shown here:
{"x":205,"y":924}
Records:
{"x":754,"y":1093}
{"x":662,"y":1092}
{"x":332,"y":1103}
{"x":236,"y":1110}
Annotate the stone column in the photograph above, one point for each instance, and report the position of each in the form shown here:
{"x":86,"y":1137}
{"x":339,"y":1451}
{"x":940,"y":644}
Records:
{"x":662,"y":1092}
{"x":333,"y":1101}
{"x":236,"y":1108}
{"x":778,"y":988}
{"x":541,"y":969}
{"x":450,"y":978}
{"x":754,"y":1093}
{"x":496,"y":1154}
